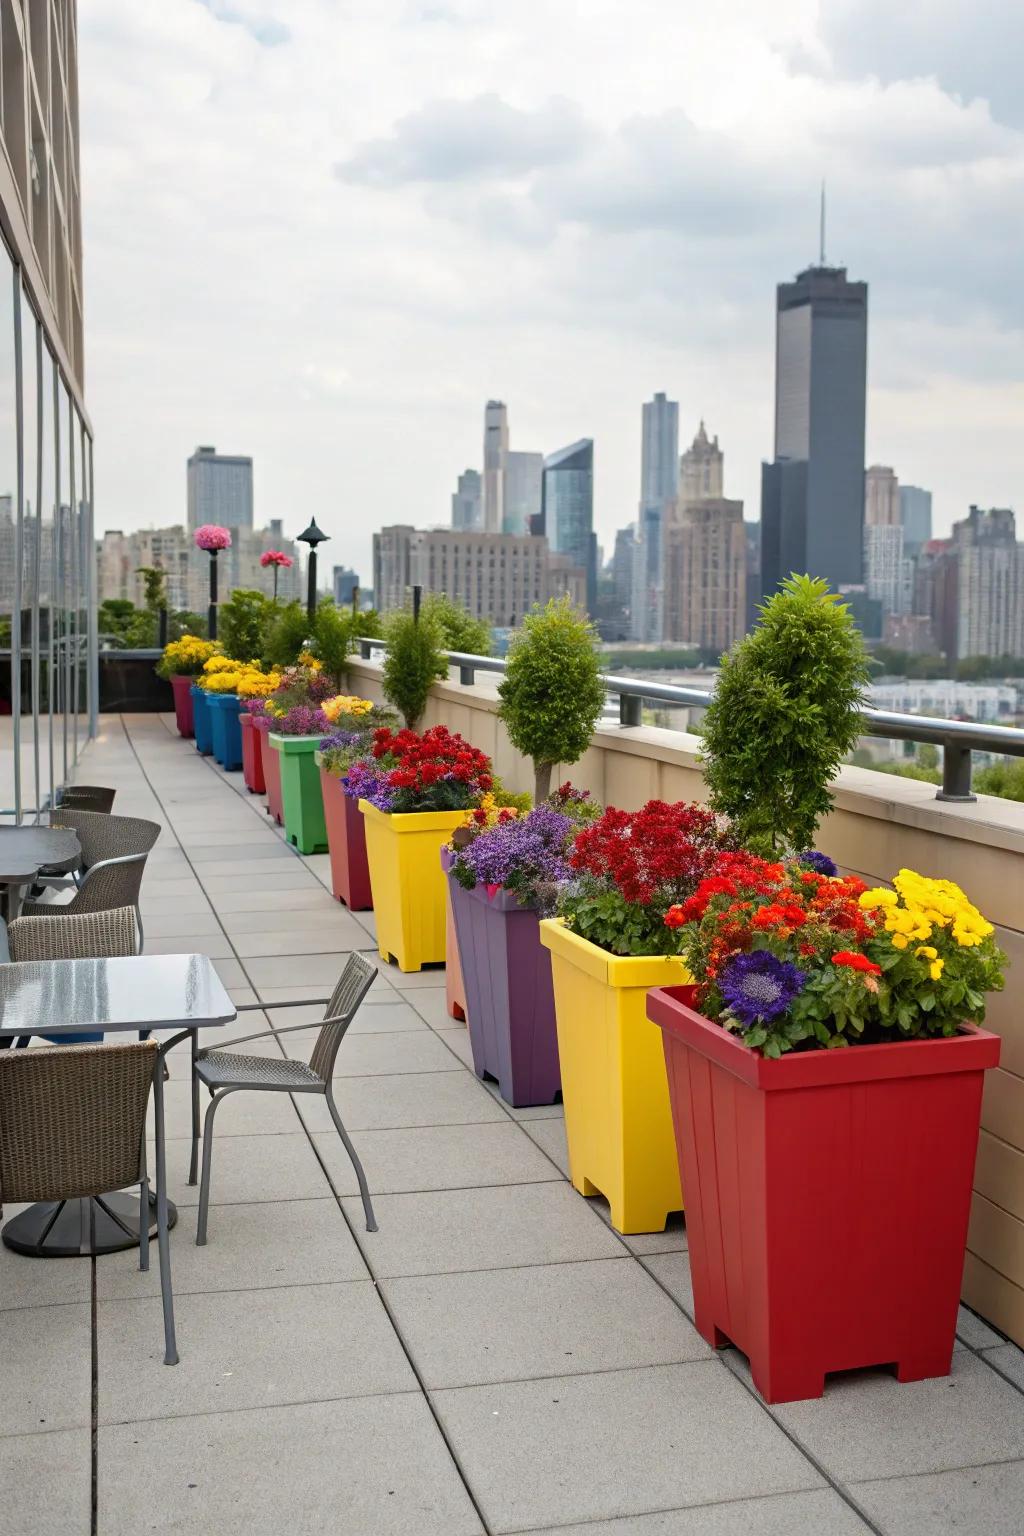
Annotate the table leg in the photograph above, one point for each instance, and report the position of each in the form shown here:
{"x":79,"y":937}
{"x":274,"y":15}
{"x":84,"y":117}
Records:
{"x":193,"y":1167}
{"x":63,"y":1229}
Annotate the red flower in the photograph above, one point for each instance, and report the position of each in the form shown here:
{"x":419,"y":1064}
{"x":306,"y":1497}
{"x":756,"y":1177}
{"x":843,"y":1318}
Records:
{"x":675,"y":917}
{"x":855,"y":962}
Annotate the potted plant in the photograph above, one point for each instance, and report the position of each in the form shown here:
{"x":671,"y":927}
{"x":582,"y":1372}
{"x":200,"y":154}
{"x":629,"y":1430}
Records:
{"x":504,"y":872}
{"x":254,"y":686}
{"x":826,"y":1079}
{"x":608,"y":945}
{"x":352,"y":722}
{"x":297,"y":727}
{"x":218,"y":672}
{"x":226,"y":691}
{"x":413,"y":662}
{"x":181,"y":663}
{"x":551,"y":694}
{"x":413,"y":792}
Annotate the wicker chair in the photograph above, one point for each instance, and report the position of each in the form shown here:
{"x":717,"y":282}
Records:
{"x":73,"y":936}
{"x":86,"y":797}
{"x":226,"y":1072}
{"x":114,"y":852}
{"x":73,"y":1126}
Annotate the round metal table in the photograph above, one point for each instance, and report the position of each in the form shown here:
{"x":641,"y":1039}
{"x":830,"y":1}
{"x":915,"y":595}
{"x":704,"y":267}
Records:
{"x":24,"y":851}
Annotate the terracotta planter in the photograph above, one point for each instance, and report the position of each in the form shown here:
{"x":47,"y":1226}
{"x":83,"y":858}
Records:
{"x":225,"y":729}
{"x":301,"y":800}
{"x":181,"y":687}
{"x":408,"y":884}
{"x":827,"y":1196}
{"x":202,"y":724}
{"x":509,"y":992}
{"x":454,"y":985}
{"x":271,"y":771}
{"x":346,"y":842}
{"x":252,"y":754}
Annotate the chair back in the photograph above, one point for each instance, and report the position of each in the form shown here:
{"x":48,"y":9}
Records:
{"x":87,"y":797}
{"x":106,"y":837}
{"x":73,"y":1119}
{"x":74,"y":936}
{"x":355,"y":981}
{"x":106,"y":886}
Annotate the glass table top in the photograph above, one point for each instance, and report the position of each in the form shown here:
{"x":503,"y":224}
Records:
{"x":55,"y":997}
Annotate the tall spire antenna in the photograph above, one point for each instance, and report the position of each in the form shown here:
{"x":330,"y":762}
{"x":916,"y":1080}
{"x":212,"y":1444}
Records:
{"x":821,"y":258}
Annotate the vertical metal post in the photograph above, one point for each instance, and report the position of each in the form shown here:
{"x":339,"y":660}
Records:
{"x":956,"y":773}
{"x":417,"y":598}
{"x":212,"y":611}
{"x":19,"y":548}
{"x":311,"y":585}
{"x":631,"y":709}
{"x":161,"y":633}
{"x":467,"y":676}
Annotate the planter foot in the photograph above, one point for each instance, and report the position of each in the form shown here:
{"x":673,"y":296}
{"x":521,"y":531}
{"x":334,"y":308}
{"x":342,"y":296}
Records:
{"x":921,"y":1367}
{"x":793,"y":1386}
{"x":457,"y":1012}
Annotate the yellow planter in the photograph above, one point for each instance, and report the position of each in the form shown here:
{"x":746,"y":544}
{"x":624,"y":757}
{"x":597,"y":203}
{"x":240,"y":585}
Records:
{"x":618,"y":1119}
{"x":408,"y":883}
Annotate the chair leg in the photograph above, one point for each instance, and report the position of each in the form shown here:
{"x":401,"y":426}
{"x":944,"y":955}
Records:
{"x":162,"y":1235}
{"x":144,"y":1224}
{"x":204,"y":1187}
{"x":364,"y":1191}
{"x":142,"y":931}
{"x":194,"y":1159}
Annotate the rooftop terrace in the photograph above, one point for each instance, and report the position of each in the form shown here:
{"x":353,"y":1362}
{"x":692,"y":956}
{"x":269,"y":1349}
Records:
{"x":494,"y":1359}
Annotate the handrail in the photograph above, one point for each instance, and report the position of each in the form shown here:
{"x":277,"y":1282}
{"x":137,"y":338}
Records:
{"x":957,"y":738}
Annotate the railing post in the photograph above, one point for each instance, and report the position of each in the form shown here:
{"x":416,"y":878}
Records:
{"x":365,"y":650}
{"x":467,"y":675}
{"x":956,"y":773}
{"x":631,"y":709}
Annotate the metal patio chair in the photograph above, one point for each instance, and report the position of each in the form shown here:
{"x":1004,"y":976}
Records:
{"x":72,"y":936}
{"x":73,"y":1126}
{"x":225,"y":1072}
{"x":86,"y":797}
{"x":114,"y":852}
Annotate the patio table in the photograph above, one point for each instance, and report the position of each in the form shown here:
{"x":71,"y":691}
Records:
{"x":122,"y":995}
{"x":24,"y":851}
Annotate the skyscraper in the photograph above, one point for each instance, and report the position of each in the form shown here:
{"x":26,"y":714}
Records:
{"x":467,"y":501}
{"x":705,"y":554}
{"x":701,"y":469}
{"x":524,"y":476}
{"x":495,"y":457}
{"x":812,"y":517}
{"x":990,"y":584}
{"x":568,"y":508}
{"x":887,"y":575}
{"x":916,"y":516}
{"x":659,"y":484}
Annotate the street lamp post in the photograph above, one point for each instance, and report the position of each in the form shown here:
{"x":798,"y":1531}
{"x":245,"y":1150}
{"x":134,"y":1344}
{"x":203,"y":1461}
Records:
{"x":312,"y":536}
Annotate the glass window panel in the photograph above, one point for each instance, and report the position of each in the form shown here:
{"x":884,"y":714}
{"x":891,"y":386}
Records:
{"x":49,"y":576}
{"x":30,"y":519}
{"x":68,"y":566}
{"x":9,"y":595}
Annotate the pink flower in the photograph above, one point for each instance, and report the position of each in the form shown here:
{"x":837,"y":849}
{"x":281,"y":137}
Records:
{"x":212,"y":537}
{"x":275,"y":557}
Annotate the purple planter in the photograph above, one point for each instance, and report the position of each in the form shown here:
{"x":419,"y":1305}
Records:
{"x":510,"y":1001}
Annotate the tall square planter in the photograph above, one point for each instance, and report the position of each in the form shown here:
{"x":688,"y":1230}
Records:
{"x":509,"y":993}
{"x":618,"y":1119}
{"x":408,"y":883}
{"x":181,"y":688}
{"x":225,"y":730}
{"x":346,"y":843}
{"x":201,"y":721}
{"x":301,"y":800}
{"x":454,"y":985}
{"x":271,"y":771}
{"x":252,"y":754}
{"x":827,"y":1196}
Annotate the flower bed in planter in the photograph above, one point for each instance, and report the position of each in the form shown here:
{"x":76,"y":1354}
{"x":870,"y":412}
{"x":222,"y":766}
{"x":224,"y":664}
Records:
{"x":225,"y":729}
{"x":346,"y":842}
{"x":252,"y":754}
{"x":181,"y":687}
{"x":181,"y":663}
{"x":301,"y":800}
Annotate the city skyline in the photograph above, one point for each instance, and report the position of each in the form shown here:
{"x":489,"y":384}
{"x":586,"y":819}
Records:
{"x":441,"y":232}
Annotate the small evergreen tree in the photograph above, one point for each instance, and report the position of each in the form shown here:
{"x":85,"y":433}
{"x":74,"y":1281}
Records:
{"x":785,"y":714}
{"x":414,"y":660}
{"x":286,"y":636}
{"x":244,"y":622}
{"x":332,"y":638}
{"x":459,"y":630}
{"x":551,"y":694}
{"x":154,"y":587}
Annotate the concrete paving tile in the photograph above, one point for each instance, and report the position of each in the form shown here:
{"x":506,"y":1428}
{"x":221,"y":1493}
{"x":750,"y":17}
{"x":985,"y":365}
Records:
{"x":429,"y":979}
{"x":173,"y":889}
{"x":46,"y":1483}
{"x":28,"y":1282}
{"x":307,"y":897}
{"x":231,"y":973}
{"x":672,"y":1240}
{"x":241,"y":1114}
{"x":457,"y":1041}
{"x":394,"y":1053}
{"x":673,"y":1271}
{"x":46,"y":1351}
{"x":554,"y":1319}
{"x":326,"y":917}
{"x":431,"y":1003}
{"x":983,"y":1500}
{"x":617,"y":1443}
{"x":443,"y":1232}
{"x":975,"y":1331}
{"x":818,"y":1513}
{"x":549,"y":1134}
{"x":436,"y":1157}
{"x":284,"y":971}
{"x":525,"y":1111}
{"x":424,"y":1098}
{"x":278,"y":1243}
{"x":334,"y":942}
{"x":869,"y":1425}
{"x":1007,"y":1358}
{"x":201,"y":941}
{"x":261,"y":848}
{"x":249,"y":1169}
{"x":161,"y":914}
{"x":380,"y":1460}
{"x":279,"y":875}
{"x":264,"y":1347}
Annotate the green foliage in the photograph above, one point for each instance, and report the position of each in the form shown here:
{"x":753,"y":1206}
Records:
{"x":551,"y":694}
{"x":128,"y":627}
{"x":968,"y":669}
{"x":656,"y":661}
{"x":414,"y":661}
{"x":784,"y":716}
{"x":332,"y":638}
{"x":602,"y":914}
{"x":154,"y":582}
{"x":459,"y":630}
{"x":286,"y":636}
{"x":924,"y":766}
{"x":1004,"y":778}
{"x":183,"y":622}
{"x":244,"y":622}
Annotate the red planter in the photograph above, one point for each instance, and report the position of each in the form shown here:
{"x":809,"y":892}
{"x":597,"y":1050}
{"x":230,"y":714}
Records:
{"x":181,"y":687}
{"x":827,"y":1196}
{"x":346,"y":840}
{"x":271,"y":772}
{"x":252,"y":755}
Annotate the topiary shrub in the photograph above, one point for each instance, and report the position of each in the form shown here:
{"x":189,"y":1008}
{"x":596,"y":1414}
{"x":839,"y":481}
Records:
{"x":459,"y":630}
{"x":551,"y":694}
{"x":286,"y":636}
{"x":414,"y":661}
{"x":785,"y":713}
{"x":244,"y":622}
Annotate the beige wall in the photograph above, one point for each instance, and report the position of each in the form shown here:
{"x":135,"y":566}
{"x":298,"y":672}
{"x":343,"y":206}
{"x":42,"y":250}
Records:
{"x":879,"y":824}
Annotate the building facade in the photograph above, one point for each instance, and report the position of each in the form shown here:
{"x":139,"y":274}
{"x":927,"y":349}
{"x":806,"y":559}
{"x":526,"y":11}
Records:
{"x":702,"y":470}
{"x":48,"y":686}
{"x":916,"y":517}
{"x":990,"y":584}
{"x":497,"y":577}
{"x":495,"y":460}
{"x":812,"y":515}
{"x":172,"y":550}
{"x":524,"y":491}
{"x":344,"y":585}
{"x":706,"y":575}
{"x":219,"y":489}
{"x":659,"y":487}
{"x":888,"y":576}
{"x":467,"y":501}
{"x":568,"y":510}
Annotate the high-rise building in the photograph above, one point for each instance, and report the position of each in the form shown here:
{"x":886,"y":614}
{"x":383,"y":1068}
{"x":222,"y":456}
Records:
{"x":187,"y":569}
{"x":345,"y":585}
{"x":219,"y":489}
{"x":916,"y":517}
{"x":524,"y":483}
{"x":752,"y":533}
{"x":393,"y":565}
{"x":990,"y":585}
{"x":701,"y":470}
{"x":467,"y":501}
{"x":495,"y":459}
{"x":882,"y":497}
{"x":568,"y":509}
{"x":659,"y":486}
{"x":498,"y":577}
{"x":936,"y":579}
{"x":623,"y":556}
{"x":888,"y":576}
{"x":812,"y":515}
{"x":706,"y":575}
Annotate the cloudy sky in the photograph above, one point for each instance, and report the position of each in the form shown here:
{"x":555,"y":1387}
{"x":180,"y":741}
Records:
{"x":323,"y":232}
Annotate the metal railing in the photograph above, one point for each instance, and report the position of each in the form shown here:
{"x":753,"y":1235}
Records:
{"x":957,"y":738}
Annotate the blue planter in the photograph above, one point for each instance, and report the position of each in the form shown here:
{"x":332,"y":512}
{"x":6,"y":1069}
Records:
{"x":224,"y":710}
{"x":202,"y":721}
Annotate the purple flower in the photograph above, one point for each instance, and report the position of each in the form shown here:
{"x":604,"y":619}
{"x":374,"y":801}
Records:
{"x":521,"y":855}
{"x":759,"y":987}
{"x":820,"y":862}
{"x":300,"y":720}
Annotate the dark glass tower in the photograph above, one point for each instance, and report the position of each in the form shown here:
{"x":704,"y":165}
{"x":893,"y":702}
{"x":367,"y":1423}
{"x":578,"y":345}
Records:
{"x":568,"y":508}
{"x":812,"y":512}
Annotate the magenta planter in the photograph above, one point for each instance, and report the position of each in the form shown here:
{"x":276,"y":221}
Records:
{"x":181,"y":687}
{"x":510,"y":1000}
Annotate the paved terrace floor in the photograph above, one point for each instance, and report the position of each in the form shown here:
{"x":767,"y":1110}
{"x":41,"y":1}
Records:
{"x":495,"y":1359}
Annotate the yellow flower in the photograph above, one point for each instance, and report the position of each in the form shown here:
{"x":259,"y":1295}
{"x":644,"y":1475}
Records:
{"x":345,"y":704}
{"x":935,"y":969}
{"x":879,"y":897}
{"x":927,"y":951}
{"x":307,"y":659}
{"x":900,"y":941}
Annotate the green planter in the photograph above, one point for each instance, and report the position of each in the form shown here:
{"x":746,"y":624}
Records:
{"x":301,"y":796}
